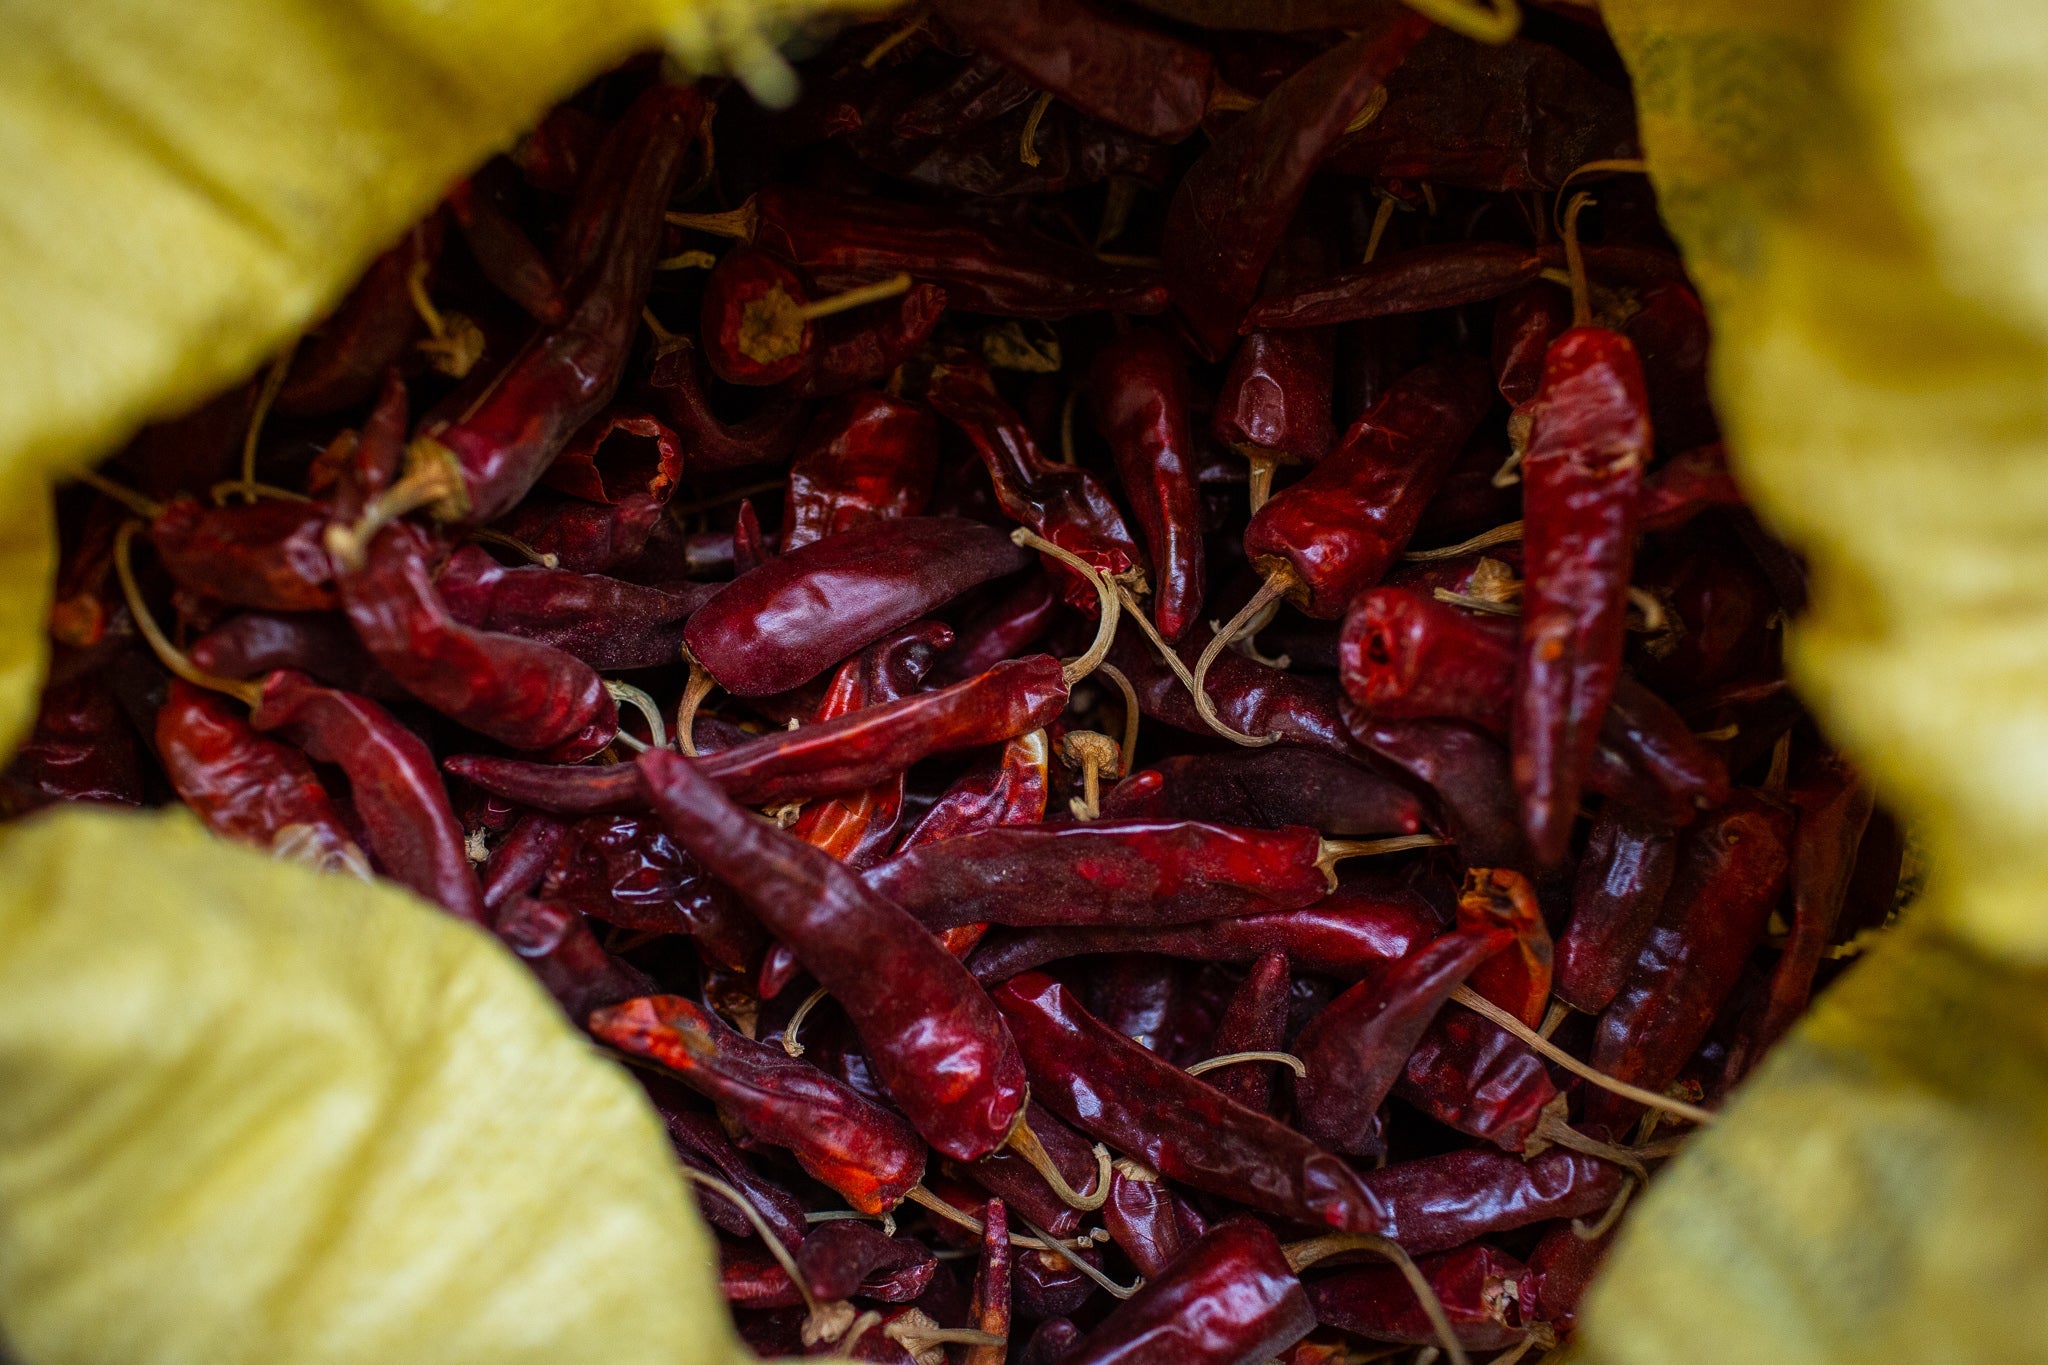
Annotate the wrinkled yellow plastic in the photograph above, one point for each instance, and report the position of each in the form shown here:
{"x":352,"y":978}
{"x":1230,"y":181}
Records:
{"x":1860,"y":188}
{"x":260,"y":1114}
{"x":255,"y":1114}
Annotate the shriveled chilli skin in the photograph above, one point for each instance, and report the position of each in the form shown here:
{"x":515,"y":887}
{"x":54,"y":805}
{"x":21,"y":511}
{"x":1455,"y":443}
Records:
{"x":1684,"y":486}
{"x":606,"y":622}
{"x":1063,"y":503}
{"x":412,"y":832}
{"x":801,"y":613}
{"x":1232,"y":208}
{"x":1139,"y":395}
{"x":1525,"y":322}
{"x":936,"y":1043}
{"x":586,"y":537}
{"x":1438,"y":1202}
{"x":1645,"y":731}
{"x":1255,"y":1020}
{"x":522,"y":859}
{"x":1230,"y":1299}
{"x":677,"y":382}
{"x":1279,"y":392}
{"x":1626,"y":870}
{"x":566,"y":373}
{"x":1589,"y":442}
{"x":1561,"y":1267}
{"x":852,"y":350}
{"x":598,"y":789}
{"x":1344,"y":523}
{"x":841,"y":241}
{"x":1265,"y":789}
{"x":1483,"y":1291}
{"x":1358,"y":1046}
{"x":1010,"y":791}
{"x":245,"y":787}
{"x":339,"y":365}
{"x":1466,"y":768}
{"x":1731,"y":871}
{"x":1345,"y":935}
{"x":1418,"y":280}
{"x":1146,"y":1219}
{"x":1134,"y":77}
{"x":1189,"y":1132}
{"x":863,"y":747}
{"x":1250,"y":696}
{"x":518,"y":692}
{"x":1406,"y":656}
{"x":1475,"y":1076}
{"x":1142,"y":872}
{"x":1011,"y":1177}
{"x":855,"y":1146}
{"x":266,"y":554}
{"x":319,"y":643}
{"x":565,"y":956}
{"x":866,"y":457}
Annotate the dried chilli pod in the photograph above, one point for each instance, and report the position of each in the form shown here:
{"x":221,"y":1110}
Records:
{"x":267,"y":555}
{"x":1255,"y":1020}
{"x":1561,"y":1267}
{"x":81,"y":749}
{"x":1189,"y":1132}
{"x":989,"y":1309}
{"x":1833,"y":806}
{"x":1731,"y":870}
{"x":1245,"y":694}
{"x":519,"y":692}
{"x":606,"y":622}
{"x":1276,"y":403}
{"x":1418,"y":280}
{"x":1010,"y":1177}
{"x":863,"y":747}
{"x":505,"y":254}
{"x":1467,"y":771}
{"x":624,"y":870}
{"x":866,"y":1153}
{"x":678,"y":382}
{"x":1589,"y":443}
{"x":1127,"y":873}
{"x":559,"y":949}
{"x":519,"y":862}
{"x":1525,"y":322}
{"x":319,"y":643}
{"x":757,"y":316}
{"x":642,"y":457}
{"x":865,"y":458}
{"x":1268,"y":788}
{"x":935,"y":1041}
{"x":1338,"y":530}
{"x":1517,"y":980}
{"x":1020,"y":619}
{"x":1685,"y":485}
{"x":1009,"y":789}
{"x":340,"y":364}
{"x":1356,"y":1049}
{"x":478,"y":466}
{"x":700,"y":1142}
{"x":1439,"y":1202}
{"x":1060,"y":502}
{"x":1137,"y":78}
{"x":248,"y":788}
{"x":1626,"y":870}
{"x":1231,"y":210}
{"x":1229,"y":1299}
{"x":1139,"y":394}
{"x":588,"y":537}
{"x":1483,"y":1290}
{"x":853,"y":351}
{"x":804,"y":611}
{"x":843,"y":241}
{"x":1345,"y":935}
{"x":844,"y":1257}
{"x":1473,"y":1075}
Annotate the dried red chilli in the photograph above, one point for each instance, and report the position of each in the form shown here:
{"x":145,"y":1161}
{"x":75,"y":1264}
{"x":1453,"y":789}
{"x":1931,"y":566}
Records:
{"x":936,"y":1043}
{"x":804,"y":611}
{"x":865,"y":1153}
{"x":912,"y":156}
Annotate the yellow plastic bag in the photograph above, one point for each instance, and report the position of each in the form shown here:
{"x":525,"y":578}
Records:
{"x":1853,"y":182}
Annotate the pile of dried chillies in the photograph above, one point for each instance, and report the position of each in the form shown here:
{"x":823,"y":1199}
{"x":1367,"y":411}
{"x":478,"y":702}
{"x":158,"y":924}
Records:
{"x":897,"y":608}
